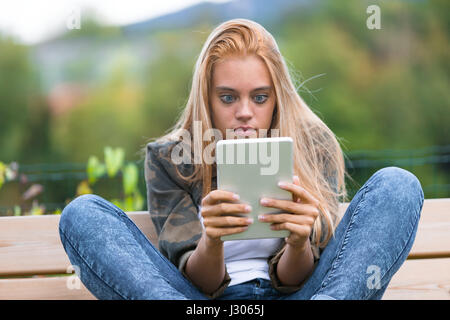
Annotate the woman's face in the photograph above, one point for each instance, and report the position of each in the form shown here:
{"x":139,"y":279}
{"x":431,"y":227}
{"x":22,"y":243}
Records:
{"x":242,"y":96}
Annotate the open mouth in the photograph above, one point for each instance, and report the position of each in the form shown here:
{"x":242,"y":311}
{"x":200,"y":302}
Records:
{"x":245,"y":132}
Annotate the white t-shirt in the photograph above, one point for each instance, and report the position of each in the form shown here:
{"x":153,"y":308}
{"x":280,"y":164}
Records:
{"x":246,"y":260}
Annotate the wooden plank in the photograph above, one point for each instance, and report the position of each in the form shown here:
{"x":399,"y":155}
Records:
{"x":433,"y":233}
{"x":427,"y":279}
{"x":424,"y":279}
{"x":54,"y":288}
{"x":31,"y":244}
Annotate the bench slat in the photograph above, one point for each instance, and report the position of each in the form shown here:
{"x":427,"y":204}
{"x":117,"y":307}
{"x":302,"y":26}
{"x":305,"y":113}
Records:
{"x":433,"y":233}
{"x":426,"y":279}
{"x":423,"y":279}
{"x":54,"y":288}
{"x":31,"y":244}
{"x":25,"y":241}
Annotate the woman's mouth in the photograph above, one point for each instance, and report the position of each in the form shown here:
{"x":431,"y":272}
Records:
{"x":245,"y":131}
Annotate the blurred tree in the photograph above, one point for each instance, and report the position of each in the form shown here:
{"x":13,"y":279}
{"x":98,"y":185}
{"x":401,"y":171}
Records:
{"x":167,"y":81}
{"x":16,"y":92}
{"x":110,"y":114}
{"x":376,"y":89}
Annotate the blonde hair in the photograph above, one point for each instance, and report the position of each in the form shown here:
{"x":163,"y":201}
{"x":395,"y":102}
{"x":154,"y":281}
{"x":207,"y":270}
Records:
{"x":317,"y":152}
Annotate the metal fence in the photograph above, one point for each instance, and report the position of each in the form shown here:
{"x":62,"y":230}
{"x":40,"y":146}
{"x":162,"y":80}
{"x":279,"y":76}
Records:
{"x":59,"y":181}
{"x":431,"y":165}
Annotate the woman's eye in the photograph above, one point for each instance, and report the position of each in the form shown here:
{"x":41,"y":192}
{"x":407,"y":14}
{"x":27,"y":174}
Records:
{"x":261,"y":98}
{"x":227,"y":98}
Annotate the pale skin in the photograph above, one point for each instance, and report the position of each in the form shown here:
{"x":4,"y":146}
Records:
{"x":243,"y":98}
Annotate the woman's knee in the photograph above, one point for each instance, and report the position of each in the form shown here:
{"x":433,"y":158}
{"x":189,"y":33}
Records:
{"x":79,"y":211}
{"x":401,"y":180}
{"x":398,"y":186}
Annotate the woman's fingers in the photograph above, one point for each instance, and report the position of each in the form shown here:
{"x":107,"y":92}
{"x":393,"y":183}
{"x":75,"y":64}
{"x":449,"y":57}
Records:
{"x":299,"y":225}
{"x":219,"y":232}
{"x":225,"y":208}
{"x":218,"y":226}
{"x":298,"y":192}
{"x":287,"y":218}
{"x":301,"y":231}
{"x":221,"y":214}
{"x":217,"y":196}
{"x":291,"y":207}
{"x":226,"y":222}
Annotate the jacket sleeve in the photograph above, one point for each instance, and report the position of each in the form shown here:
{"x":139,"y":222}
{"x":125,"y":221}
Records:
{"x":172,"y":209}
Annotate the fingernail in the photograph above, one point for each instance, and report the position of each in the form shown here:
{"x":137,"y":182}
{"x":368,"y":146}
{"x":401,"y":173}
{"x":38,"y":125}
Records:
{"x":264,"y":201}
{"x":248,"y":208}
{"x":250,"y":220}
{"x":261,"y":217}
{"x":236,"y":197}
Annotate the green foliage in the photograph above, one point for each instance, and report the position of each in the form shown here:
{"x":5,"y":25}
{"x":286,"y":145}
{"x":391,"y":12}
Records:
{"x":8,"y":172}
{"x":17,"y":86}
{"x":17,"y":210}
{"x":95,"y":169}
{"x":377,"y":89}
{"x":113,"y":160}
{"x":36,"y":209}
{"x":130,"y":178}
{"x":110,"y":114}
{"x":2,"y":173}
{"x":113,"y":165}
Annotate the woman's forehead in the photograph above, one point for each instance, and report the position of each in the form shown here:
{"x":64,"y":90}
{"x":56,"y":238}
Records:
{"x":247,"y":72}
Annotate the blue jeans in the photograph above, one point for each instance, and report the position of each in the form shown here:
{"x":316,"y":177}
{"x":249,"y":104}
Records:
{"x":115,"y":260}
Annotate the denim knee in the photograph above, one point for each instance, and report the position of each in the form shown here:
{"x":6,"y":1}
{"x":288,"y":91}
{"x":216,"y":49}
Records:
{"x":78,"y":211}
{"x":400,"y":186}
{"x":402,"y":179}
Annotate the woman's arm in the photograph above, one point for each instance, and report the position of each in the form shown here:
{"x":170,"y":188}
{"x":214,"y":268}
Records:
{"x":206,"y":266}
{"x":297,"y":260}
{"x":295,"y":265}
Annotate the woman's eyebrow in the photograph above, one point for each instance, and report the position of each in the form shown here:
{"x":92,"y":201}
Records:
{"x":222,"y":88}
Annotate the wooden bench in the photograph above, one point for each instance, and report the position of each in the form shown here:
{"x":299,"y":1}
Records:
{"x":31,"y":254}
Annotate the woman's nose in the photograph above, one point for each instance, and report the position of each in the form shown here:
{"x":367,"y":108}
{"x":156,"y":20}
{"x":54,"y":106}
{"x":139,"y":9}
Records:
{"x":244,"y":111}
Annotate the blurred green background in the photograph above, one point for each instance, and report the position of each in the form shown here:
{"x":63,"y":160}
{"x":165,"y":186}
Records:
{"x":385,"y":93}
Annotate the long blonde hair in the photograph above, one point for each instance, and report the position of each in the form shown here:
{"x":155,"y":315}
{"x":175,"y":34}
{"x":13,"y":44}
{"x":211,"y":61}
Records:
{"x":317,"y":153}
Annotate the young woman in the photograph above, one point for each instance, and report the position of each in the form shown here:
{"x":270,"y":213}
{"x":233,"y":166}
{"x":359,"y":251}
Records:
{"x":241,"y":85}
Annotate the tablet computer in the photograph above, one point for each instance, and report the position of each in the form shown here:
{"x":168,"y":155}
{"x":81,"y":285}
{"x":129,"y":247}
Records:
{"x":252,"y":168}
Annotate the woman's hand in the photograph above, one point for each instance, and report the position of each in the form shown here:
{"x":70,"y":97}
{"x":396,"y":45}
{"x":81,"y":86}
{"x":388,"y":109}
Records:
{"x":218,"y":208}
{"x":205,"y":266}
{"x":298,"y":215}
